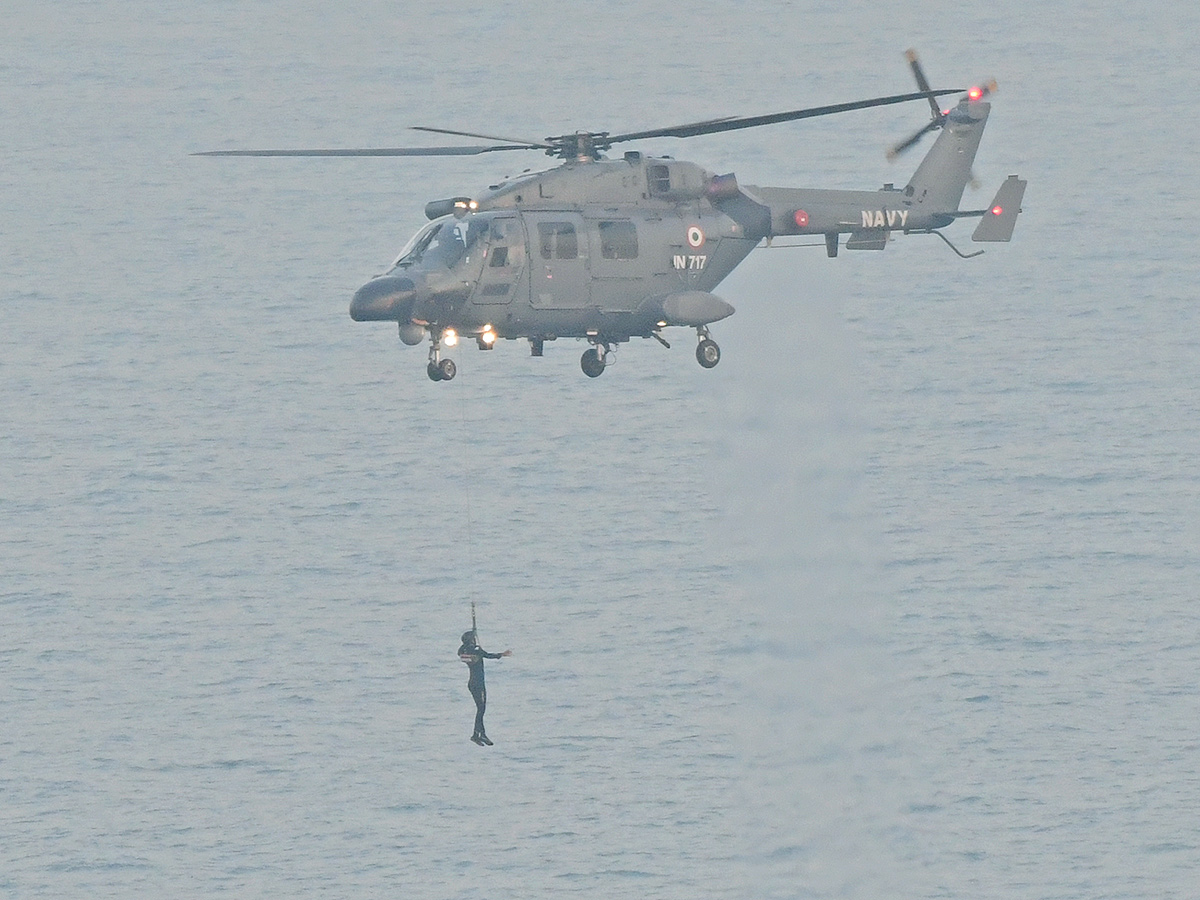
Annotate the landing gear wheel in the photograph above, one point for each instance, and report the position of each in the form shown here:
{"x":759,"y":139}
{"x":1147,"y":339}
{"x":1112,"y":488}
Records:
{"x":433,"y":371}
{"x":447,"y":369}
{"x":592,"y":363}
{"x":708,"y":354}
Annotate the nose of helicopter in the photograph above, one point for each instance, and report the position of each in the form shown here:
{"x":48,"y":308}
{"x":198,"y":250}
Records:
{"x":387,"y":298}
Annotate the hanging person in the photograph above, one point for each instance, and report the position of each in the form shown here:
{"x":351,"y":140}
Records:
{"x":473,"y":655}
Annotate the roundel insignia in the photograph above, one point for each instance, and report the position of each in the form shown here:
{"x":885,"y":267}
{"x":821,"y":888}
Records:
{"x":695,"y":236}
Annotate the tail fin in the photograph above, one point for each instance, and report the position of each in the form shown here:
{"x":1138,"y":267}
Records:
{"x":937,"y":185}
{"x":1001,"y":217}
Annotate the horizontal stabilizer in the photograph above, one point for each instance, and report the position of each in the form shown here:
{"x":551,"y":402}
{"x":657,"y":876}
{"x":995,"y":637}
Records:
{"x":867,"y":239}
{"x":1001,"y":217}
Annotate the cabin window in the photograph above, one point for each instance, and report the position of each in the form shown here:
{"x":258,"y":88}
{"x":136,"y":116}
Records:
{"x":558,"y":240}
{"x":659,"y":178}
{"x":618,"y":240}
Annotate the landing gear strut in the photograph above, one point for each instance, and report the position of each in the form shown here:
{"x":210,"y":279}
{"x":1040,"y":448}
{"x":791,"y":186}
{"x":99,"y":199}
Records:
{"x":439,"y":369}
{"x":708,"y":354}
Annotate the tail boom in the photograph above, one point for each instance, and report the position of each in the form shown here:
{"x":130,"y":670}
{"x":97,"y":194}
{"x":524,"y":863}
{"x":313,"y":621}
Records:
{"x":929,"y":201}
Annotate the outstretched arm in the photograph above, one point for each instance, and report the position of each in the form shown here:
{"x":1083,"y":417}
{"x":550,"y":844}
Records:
{"x":487,"y":655}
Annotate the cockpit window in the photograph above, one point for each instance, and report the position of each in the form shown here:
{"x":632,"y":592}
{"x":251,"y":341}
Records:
{"x":442,"y":242}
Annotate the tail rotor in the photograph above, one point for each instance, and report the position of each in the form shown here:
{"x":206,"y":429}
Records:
{"x":939,"y":116}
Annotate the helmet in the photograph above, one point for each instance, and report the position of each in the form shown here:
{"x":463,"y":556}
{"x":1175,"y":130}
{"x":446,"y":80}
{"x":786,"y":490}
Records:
{"x":468,"y":637}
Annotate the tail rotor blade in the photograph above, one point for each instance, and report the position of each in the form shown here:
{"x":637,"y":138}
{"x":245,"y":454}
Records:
{"x":914,"y":138}
{"x":922,"y":81}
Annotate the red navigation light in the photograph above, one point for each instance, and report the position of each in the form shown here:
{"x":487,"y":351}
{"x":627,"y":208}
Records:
{"x":997,"y":210}
{"x":974,"y":93}
{"x":801,"y":218}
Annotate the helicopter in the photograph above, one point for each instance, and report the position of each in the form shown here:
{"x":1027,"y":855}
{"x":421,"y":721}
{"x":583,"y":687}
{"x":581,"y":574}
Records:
{"x":605,"y":250}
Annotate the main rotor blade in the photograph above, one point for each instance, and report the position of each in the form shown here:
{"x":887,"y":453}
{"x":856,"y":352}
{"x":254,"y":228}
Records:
{"x":379,"y":151}
{"x":733,"y":123}
{"x":524,"y":142}
{"x":600,"y":141}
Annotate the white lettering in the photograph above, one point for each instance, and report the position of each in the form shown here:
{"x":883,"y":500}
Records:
{"x":679,"y":261}
{"x":878,"y":218}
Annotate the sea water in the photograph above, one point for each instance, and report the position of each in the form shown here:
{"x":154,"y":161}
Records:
{"x":899,"y":600}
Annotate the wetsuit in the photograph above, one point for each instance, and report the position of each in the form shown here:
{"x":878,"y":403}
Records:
{"x":474,"y":655}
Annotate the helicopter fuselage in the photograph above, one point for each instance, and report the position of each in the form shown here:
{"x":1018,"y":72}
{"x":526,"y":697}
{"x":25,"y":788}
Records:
{"x":602,"y":250}
{"x":606,"y":250}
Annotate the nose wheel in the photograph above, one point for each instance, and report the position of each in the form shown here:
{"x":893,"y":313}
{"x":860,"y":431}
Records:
{"x":439,"y":369}
{"x":708,"y":354}
{"x":442,"y":371}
